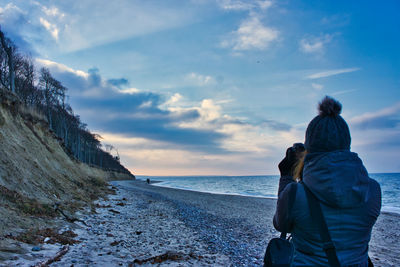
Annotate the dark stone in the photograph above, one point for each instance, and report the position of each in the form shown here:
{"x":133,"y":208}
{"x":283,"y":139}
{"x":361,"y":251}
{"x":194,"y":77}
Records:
{"x":36,"y":248}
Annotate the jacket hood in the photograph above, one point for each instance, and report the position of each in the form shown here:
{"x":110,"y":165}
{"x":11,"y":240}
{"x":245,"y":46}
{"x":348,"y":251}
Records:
{"x":338,"y":178}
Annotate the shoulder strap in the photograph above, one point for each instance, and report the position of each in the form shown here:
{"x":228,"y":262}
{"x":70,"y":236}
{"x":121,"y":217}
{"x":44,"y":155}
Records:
{"x":316,"y":213}
{"x":292,"y":197}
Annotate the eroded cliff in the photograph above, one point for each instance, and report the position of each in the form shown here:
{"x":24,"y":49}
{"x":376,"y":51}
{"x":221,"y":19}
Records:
{"x":36,"y":172}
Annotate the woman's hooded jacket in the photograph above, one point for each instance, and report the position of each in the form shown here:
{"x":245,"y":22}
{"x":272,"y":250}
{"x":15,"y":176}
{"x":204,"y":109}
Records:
{"x":350,"y":203}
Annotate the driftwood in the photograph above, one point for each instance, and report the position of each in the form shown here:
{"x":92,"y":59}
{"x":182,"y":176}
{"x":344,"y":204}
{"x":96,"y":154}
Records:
{"x":114,"y":211}
{"x":57,"y":257}
{"x":169,"y":255}
{"x":68,"y":218}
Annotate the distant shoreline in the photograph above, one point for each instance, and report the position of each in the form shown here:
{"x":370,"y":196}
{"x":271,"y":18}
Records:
{"x":143,"y":177}
{"x":157,"y":183}
{"x":385,"y":208}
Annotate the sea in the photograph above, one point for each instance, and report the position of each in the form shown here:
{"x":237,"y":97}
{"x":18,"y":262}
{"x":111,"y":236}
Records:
{"x":266,"y":186}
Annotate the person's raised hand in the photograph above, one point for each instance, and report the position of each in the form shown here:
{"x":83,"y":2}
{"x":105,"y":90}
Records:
{"x":287,"y":164}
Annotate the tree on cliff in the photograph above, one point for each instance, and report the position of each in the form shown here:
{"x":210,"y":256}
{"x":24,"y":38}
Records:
{"x":8,"y":48}
{"x":46,"y":95}
{"x":54,"y":93}
{"x":25,"y":82}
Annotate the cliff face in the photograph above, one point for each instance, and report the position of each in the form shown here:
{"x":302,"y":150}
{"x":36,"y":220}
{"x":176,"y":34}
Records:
{"x":35,"y":171}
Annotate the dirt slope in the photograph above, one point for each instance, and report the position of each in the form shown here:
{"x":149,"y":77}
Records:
{"x":35,"y":172}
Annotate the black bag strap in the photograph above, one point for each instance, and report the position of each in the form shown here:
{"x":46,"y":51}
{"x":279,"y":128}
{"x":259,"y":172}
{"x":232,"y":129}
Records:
{"x":292,"y":197}
{"x":316,"y":213}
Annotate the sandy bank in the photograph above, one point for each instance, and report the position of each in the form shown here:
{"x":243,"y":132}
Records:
{"x":149,"y":224}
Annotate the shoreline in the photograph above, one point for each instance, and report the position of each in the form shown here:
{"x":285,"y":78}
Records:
{"x":384,"y":210}
{"x":210,"y":192}
{"x":173,"y":227}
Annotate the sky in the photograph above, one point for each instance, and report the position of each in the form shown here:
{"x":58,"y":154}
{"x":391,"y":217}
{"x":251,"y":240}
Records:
{"x":219,"y":87}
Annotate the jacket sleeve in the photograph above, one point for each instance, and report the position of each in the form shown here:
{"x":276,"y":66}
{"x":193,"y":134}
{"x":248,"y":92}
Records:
{"x":375,"y":199}
{"x":283,"y":182}
{"x":283,"y":219}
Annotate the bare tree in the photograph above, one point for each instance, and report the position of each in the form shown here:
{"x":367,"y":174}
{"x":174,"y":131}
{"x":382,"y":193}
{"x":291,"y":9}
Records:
{"x":25,"y":79}
{"x":41,"y":91}
{"x":9,"y":49}
{"x":54,"y":93}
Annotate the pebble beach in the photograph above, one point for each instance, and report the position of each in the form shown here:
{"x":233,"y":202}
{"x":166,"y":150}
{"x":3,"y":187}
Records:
{"x":147,"y":225}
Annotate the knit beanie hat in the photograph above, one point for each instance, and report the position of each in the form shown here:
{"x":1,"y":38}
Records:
{"x":328,"y":131}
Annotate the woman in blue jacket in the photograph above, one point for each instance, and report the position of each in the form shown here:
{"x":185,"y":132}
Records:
{"x":350,"y":200}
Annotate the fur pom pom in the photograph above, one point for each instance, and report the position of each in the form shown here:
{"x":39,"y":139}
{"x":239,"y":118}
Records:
{"x":329,"y":107}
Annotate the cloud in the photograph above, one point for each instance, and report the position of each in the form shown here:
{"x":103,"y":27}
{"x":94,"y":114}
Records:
{"x":198,"y":79}
{"x":52,"y":28}
{"x":317,"y":86}
{"x":71,"y":26}
{"x":342,"y":92}
{"x":149,"y":127}
{"x":131,"y":90}
{"x":252,"y":34}
{"x":209,"y":110}
{"x":33,"y":23}
{"x":174,"y":99}
{"x":58,"y":67}
{"x":160,"y":128}
{"x":52,"y":12}
{"x":11,"y":13}
{"x":336,"y":20}
{"x":242,"y":137}
{"x":376,"y":135}
{"x":264,"y":4}
{"x":243,"y":5}
{"x":210,"y":116}
{"x":386,"y":118}
{"x":276,"y":125}
{"x":136,"y":114}
{"x":378,"y":148}
{"x":314,"y":45}
{"x":150,"y":157}
{"x":118,"y":82}
{"x":13,"y":22}
{"x":329,"y":73}
{"x":101,"y":26}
